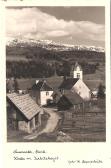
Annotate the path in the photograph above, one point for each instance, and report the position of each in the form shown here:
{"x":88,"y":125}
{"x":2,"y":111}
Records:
{"x":51,"y":124}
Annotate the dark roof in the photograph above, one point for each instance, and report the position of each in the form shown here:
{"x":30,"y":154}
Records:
{"x":54,"y":81}
{"x":41,"y":85}
{"x":68,"y":83}
{"x":25,"y":104}
{"x":73,"y":97}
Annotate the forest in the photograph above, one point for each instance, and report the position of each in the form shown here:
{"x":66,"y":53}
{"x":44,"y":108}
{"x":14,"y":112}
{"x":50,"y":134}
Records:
{"x":39,"y":62}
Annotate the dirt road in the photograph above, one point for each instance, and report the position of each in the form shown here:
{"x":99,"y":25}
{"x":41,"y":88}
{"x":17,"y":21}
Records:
{"x":50,"y":126}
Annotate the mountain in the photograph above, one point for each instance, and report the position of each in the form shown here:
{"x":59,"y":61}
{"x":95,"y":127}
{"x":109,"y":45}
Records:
{"x":50,"y":45}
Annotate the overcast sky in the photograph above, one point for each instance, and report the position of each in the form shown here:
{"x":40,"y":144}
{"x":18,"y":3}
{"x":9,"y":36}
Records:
{"x":72,"y":25}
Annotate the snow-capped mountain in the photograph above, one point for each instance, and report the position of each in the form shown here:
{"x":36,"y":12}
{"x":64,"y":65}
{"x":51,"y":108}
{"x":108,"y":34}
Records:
{"x":50,"y":45}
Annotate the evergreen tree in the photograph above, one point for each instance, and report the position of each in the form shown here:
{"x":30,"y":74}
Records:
{"x":101,"y":93}
{"x":15,"y":85}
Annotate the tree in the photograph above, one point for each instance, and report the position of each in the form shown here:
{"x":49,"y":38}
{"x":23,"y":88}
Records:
{"x":101,"y":93}
{"x":15,"y":85}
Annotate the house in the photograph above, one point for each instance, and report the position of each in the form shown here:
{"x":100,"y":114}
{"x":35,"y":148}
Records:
{"x":76,"y":85}
{"x":22,"y":112}
{"x":70,"y":100}
{"x":41,"y":92}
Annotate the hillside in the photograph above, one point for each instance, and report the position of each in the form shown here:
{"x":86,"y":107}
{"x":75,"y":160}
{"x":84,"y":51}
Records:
{"x":40,"y":58}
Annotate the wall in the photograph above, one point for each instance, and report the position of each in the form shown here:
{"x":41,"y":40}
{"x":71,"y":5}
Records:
{"x":24,"y":126}
{"x":45,"y":97}
{"x":78,"y":71}
{"x":81,"y":89}
{"x":35,"y":96}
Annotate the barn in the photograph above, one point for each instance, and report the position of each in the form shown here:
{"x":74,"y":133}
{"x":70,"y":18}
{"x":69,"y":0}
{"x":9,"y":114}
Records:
{"x":22,"y":112}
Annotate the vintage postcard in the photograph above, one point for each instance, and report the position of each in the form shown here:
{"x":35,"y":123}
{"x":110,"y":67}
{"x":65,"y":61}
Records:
{"x":56,"y":83}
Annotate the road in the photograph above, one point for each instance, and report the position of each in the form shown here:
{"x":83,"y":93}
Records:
{"x":50,"y":126}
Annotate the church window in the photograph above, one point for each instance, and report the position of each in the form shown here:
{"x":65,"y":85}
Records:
{"x":78,"y":75}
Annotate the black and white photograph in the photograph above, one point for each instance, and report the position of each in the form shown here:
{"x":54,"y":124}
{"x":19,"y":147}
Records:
{"x":55,"y":74}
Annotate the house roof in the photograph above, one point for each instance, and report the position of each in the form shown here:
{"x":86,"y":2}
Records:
{"x":54,"y":81}
{"x":41,"y":85}
{"x":68,"y":83}
{"x":25,"y":104}
{"x":73,"y":97}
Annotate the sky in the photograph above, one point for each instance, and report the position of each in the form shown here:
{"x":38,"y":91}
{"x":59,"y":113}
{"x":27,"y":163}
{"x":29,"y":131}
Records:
{"x":69,"y":25}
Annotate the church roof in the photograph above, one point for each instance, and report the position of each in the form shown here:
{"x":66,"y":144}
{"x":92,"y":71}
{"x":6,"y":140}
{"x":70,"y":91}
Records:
{"x":68,"y":83}
{"x":41,"y":86}
{"x":26,"y":105}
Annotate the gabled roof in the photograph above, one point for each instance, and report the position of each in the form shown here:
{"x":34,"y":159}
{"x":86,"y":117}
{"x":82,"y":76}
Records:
{"x":54,"y":81}
{"x":25,"y":104}
{"x":68,"y":83}
{"x":41,"y":86}
{"x":73,"y":97}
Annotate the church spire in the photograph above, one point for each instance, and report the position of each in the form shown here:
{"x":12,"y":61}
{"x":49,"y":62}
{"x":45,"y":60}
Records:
{"x":76,"y":71}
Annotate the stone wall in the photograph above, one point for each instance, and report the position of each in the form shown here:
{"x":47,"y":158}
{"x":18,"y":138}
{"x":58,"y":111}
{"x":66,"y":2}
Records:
{"x":24,"y":126}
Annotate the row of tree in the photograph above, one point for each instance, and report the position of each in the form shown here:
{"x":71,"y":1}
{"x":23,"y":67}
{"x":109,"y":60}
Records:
{"x":41,"y":68}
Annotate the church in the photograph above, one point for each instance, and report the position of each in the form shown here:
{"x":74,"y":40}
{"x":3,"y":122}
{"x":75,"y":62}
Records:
{"x":76,"y":84}
{"x":74,"y":92}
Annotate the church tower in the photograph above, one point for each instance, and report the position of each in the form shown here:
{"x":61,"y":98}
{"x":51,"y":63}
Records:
{"x":76,"y":71}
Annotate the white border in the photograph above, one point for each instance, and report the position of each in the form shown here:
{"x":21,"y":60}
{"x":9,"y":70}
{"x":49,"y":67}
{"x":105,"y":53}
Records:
{"x":64,"y":150}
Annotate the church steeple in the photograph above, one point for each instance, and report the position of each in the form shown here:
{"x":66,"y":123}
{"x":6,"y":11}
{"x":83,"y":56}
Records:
{"x":76,"y":71}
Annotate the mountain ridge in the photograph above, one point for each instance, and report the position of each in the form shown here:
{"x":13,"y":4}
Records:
{"x":50,"y":45}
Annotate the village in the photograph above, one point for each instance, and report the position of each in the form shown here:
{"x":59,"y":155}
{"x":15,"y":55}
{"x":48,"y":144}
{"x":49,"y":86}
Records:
{"x":56,"y":109}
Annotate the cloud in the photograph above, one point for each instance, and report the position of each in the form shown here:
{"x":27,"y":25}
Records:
{"x":33,"y":23}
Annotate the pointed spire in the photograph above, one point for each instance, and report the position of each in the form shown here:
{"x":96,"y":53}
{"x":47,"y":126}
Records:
{"x":77,"y":65}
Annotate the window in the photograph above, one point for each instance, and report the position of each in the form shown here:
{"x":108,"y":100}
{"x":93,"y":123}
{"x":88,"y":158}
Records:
{"x":47,"y":93}
{"x":78,"y":75}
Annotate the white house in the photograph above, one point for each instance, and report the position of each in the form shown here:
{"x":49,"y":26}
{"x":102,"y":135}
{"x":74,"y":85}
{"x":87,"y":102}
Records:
{"x":42,"y":92}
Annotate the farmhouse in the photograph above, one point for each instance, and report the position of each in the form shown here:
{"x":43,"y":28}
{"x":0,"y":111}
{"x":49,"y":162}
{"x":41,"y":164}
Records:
{"x":41,"y":92}
{"x":22,"y":112}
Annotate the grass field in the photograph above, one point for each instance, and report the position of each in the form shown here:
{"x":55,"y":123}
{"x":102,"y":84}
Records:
{"x":16,"y":59}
